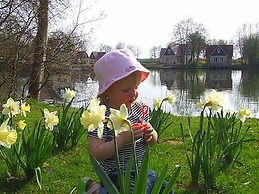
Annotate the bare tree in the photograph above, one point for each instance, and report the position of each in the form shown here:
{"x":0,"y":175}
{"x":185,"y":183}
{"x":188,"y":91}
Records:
{"x":41,"y":41}
{"x":104,"y":47}
{"x":246,"y":43}
{"x":132,"y":48}
{"x":138,"y":52}
{"x":120,"y":45}
{"x":154,"y":52}
{"x":24,"y":35}
{"x":192,"y":34}
{"x":16,"y":32}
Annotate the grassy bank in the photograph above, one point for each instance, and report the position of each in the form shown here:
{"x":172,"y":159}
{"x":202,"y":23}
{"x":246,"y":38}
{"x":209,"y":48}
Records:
{"x":63,"y":170}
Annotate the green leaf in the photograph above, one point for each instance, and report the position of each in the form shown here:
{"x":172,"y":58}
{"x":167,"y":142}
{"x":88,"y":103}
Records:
{"x":171,"y":182}
{"x":108,"y":184}
{"x":141,"y":181}
{"x":127,"y":177}
{"x":159,"y":181}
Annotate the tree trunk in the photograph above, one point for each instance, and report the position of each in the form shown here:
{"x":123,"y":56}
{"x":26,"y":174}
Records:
{"x":39,"y":58}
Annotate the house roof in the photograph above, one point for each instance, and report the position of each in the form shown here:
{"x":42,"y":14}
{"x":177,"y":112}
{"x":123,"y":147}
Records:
{"x":96,"y":55}
{"x":211,"y":50}
{"x":162,"y":51}
{"x":179,"y":50}
{"x":81,"y":55}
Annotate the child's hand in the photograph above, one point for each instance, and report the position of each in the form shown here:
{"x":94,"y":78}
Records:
{"x":138,"y":131}
{"x":148,"y":132}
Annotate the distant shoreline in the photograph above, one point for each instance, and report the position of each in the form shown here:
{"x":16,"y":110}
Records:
{"x":233,"y":67}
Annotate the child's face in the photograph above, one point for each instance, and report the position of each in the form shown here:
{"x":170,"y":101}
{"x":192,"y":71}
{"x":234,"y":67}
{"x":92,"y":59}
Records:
{"x":123,"y":91}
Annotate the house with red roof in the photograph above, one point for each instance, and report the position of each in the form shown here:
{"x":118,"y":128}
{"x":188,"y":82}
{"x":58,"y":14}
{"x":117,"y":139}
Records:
{"x":95,"y":55}
{"x":219,"y":55}
{"x":81,"y":57}
{"x":175,"y":54}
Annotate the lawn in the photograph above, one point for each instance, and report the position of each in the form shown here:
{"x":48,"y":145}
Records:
{"x":63,"y":170}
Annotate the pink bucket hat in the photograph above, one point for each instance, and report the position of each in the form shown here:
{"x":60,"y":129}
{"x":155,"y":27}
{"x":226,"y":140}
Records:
{"x":114,"y":66}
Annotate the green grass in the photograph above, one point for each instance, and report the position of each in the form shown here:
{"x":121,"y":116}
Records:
{"x":63,"y":170}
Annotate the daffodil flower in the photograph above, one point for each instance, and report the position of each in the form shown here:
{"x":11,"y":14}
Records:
{"x":11,"y":108}
{"x":214,"y":100}
{"x":7,"y":135}
{"x":94,"y":117}
{"x":21,"y":124}
{"x":243,"y":114}
{"x":69,"y":94}
{"x":119,"y":120}
{"x":170,"y":98}
{"x":157,"y":103}
{"x":51,"y":119}
{"x":24,"y":108}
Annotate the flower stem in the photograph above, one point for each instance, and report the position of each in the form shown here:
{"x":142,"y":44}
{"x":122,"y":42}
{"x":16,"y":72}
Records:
{"x":120,"y":178}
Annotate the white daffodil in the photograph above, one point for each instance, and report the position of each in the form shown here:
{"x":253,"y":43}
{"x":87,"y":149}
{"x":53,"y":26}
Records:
{"x":119,"y":119}
{"x":214,"y":99}
{"x":94,"y":117}
{"x":7,"y":136}
{"x":11,"y":108}
{"x":170,"y":98}
{"x":24,"y":108}
{"x":243,"y":114}
{"x":157,"y":103}
{"x":69,"y":94}
{"x":51,"y":119}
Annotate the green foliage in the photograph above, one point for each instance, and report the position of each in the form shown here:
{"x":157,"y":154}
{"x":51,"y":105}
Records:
{"x":194,"y":155}
{"x":251,"y":48}
{"x":69,"y":129}
{"x":214,"y":146}
{"x":59,"y":177}
{"x":34,"y":148}
{"x":159,"y":119}
{"x":230,"y":136}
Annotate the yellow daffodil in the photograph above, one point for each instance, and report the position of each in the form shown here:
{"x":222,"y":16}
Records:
{"x":51,"y":119}
{"x":21,"y":124}
{"x":24,"y":108}
{"x":119,"y":119}
{"x":170,"y":98}
{"x":243,"y":114}
{"x":69,"y":94}
{"x":11,"y":108}
{"x":7,"y":136}
{"x":94,"y":117}
{"x":157,"y":103}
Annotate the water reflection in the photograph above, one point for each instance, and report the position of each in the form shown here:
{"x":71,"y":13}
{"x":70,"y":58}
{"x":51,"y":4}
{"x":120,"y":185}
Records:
{"x":240,"y":88}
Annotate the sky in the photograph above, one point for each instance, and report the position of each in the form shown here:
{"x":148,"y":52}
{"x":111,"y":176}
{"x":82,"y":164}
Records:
{"x":148,"y":23}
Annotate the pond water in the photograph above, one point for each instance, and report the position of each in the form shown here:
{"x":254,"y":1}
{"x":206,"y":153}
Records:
{"x":240,"y":89}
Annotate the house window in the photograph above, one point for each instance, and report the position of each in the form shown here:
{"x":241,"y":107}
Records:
{"x":221,"y":59}
{"x":167,"y":59}
{"x":218,"y":50}
{"x":215,"y":59}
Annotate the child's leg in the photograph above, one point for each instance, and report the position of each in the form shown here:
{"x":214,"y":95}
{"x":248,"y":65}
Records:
{"x":87,"y":186}
{"x":151,"y":180}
